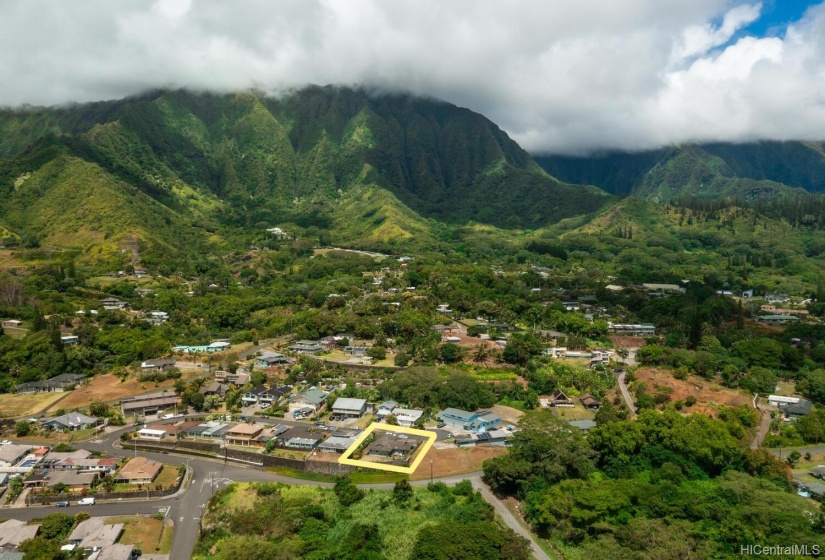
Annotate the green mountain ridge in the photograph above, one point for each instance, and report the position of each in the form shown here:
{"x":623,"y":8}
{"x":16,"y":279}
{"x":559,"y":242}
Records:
{"x":748,"y":171}
{"x":371,"y":170}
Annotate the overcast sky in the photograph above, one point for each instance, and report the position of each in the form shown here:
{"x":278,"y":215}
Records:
{"x":565,"y":76}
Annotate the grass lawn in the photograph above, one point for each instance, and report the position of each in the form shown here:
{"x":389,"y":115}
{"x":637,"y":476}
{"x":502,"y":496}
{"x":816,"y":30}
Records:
{"x":168,"y":476}
{"x":13,"y":405}
{"x":804,"y":466}
{"x":578,"y":412}
{"x":786,"y":388}
{"x":15,"y":332}
{"x":290,"y":453}
{"x":147,"y":534}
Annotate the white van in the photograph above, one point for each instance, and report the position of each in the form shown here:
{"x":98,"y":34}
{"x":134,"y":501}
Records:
{"x":86,"y":502}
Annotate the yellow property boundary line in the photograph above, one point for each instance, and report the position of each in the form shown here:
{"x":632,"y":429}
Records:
{"x":425,"y":447}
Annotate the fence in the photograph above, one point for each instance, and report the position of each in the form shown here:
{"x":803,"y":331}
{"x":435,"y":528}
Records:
{"x":38,"y":498}
{"x":248,"y":457}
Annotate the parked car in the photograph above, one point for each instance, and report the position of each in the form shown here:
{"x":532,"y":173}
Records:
{"x":86,"y":502}
{"x":61,"y":504}
{"x":440,"y":424}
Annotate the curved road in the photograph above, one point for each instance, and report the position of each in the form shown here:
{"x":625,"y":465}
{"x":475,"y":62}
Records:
{"x":206,"y":475}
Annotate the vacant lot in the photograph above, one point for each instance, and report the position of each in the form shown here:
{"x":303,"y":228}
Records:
{"x":149,"y":535}
{"x":13,"y":405}
{"x":109,"y":388}
{"x":453,"y":461}
{"x":507,"y":413}
{"x":708,"y":394}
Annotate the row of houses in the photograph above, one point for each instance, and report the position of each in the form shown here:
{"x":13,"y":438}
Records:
{"x":96,"y":539}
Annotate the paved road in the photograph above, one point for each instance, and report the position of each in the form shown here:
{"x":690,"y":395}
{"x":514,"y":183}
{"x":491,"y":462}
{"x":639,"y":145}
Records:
{"x":508,"y":517}
{"x":626,"y":395}
{"x":185,"y":508}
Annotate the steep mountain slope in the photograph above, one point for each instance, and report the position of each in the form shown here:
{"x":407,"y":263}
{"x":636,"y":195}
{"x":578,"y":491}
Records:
{"x":319,"y":157}
{"x":708,"y":170}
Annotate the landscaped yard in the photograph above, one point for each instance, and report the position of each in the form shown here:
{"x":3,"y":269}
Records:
{"x":53,"y":436}
{"x":148,"y":534}
{"x":168,"y":476}
{"x":13,"y":405}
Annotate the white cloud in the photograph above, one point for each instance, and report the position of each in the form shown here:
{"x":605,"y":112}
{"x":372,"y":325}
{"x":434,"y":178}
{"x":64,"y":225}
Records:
{"x":567,"y":75}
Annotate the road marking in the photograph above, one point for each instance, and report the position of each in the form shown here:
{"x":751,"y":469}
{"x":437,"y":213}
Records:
{"x":181,"y":519}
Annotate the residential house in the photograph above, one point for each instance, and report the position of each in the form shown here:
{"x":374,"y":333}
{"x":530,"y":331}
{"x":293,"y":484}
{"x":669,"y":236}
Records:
{"x":796,"y":410}
{"x":95,"y":533}
{"x":269,"y":433}
{"x":57,"y":384}
{"x":407,"y":416}
{"x":349,"y":408}
{"x":139,"y":470}
{"x":662,"y":289}
{"x":559,"y":400}
{"x":312,"y":347}
{"x":336,"y":444}
{"x":148,"y":405}
{"x":244,"y":434}
{"x":168,"y":430}
{"x":152,"y":434}
{"x":12,"y":453}
{"x":213,"y":429}
{"x":390,"y":444}
{"x":777,"y":319}
{"x":583,"y":425}
{"x":819,"y":472}
{"x":70,"y":422}
{"x":63,"y":460}
{"x":156,"y":317}
{"x":12,"y":323}
{"x":471,"y":421}
{"x":299,"y":438}
{"x":111,"y":304}
{"x":780,"y":401}
{"x":590,"y":402}
{"x":218,"y":346}
{"x":250,"y":397}
{"x":269,"y":359}
{"x":313,"y":397}
{"x":13,"y":532}
{"x":275,"y":394}
{"x":73,"y":479}
{"x":493,"y":437}
{"x":636,"y":329}
{"x":158,"y":364}
{"x":385,"y":409}
{"x":357,"y":351}
{"x":93,"y":464}
{"x":215,"y":388}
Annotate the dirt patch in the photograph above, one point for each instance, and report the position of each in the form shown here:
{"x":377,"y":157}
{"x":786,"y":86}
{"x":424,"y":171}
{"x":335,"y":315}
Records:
{"x":450,"y":462}
{"x":628,"y":342}
{"x":109,"y":388}
{"x":13,"y":405}
{"x":708,"y":394}
{"x":508,"y":414}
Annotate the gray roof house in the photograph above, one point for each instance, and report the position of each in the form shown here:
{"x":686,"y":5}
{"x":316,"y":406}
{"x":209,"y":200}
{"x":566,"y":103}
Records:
{"x":351,"y":408}
{"x":70,"y":421}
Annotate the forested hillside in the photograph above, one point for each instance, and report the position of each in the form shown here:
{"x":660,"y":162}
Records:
{"x":369,"y":169}
{"x":705,"y":170}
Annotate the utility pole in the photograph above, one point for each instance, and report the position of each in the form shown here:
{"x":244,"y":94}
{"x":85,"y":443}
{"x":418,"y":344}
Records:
{"x":431,"y":471}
